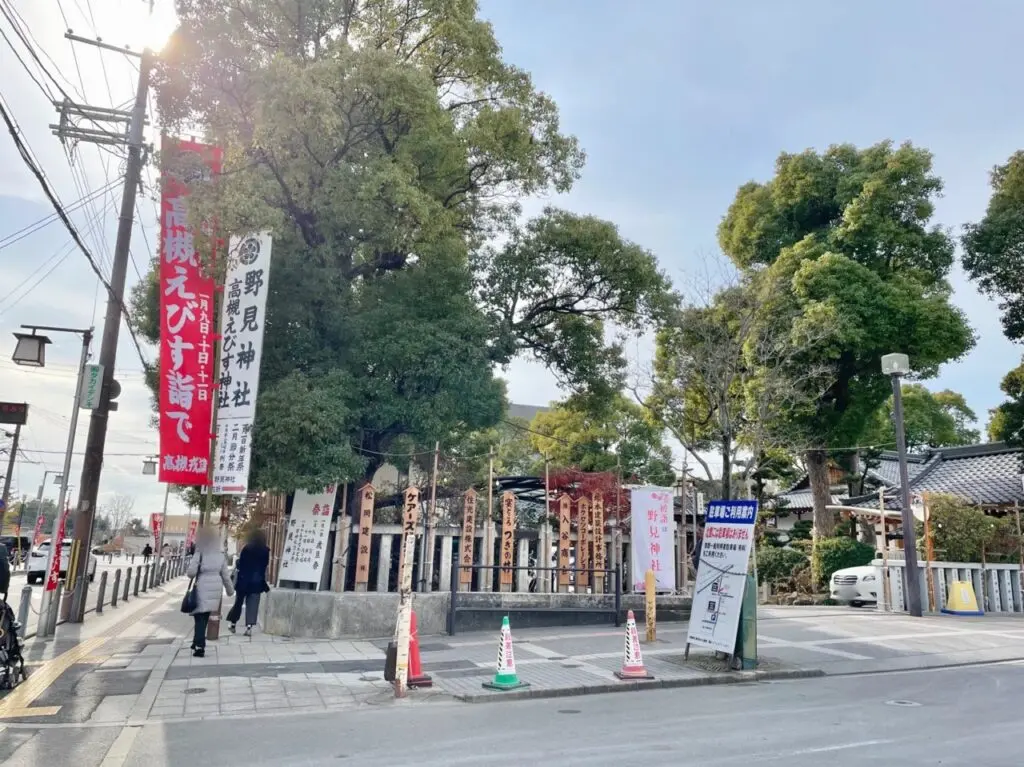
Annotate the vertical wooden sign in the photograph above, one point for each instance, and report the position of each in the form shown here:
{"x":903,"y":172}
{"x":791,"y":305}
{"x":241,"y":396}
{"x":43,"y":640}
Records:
{"x":366,"y":499}
{"x":582,"y":544}
{"x":466,"y":545}
{"x":410,"y":518}
{"x":564,"y":540}
{"x":597,"y":515}
{"x":508,"y":538}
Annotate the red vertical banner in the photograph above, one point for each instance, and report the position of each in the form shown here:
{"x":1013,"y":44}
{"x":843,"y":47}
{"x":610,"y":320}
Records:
{"x":187,"y":366}
{"x":156,"y":521}
{"x":57,"y":553}
{"x":193,"y":525}
{"x":37,"y":533}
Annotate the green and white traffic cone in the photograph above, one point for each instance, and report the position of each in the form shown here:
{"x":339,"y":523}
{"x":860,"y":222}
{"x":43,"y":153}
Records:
{"x":506,"y":678}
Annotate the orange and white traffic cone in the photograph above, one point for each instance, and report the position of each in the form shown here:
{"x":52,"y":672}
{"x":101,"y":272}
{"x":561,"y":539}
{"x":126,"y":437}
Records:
{"x":416,"y":676}
{"x":632,"y":661}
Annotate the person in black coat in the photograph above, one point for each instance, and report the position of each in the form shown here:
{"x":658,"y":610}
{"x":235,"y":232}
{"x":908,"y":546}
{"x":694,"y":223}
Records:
{"x":250,"y":581}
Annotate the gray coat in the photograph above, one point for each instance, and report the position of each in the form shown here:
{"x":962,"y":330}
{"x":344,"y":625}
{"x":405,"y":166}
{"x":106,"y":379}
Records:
{"x":210,"y":569}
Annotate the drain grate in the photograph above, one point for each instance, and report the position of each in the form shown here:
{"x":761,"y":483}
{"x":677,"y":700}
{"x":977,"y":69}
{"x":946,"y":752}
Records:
{"x":572,"y":665}
{"x":195,"y":690}
{"x":903,"y":703}
{"x":568,"y":711}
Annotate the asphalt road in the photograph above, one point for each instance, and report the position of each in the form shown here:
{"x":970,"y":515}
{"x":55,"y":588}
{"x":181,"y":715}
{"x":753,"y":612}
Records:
{"x":965,"y":716}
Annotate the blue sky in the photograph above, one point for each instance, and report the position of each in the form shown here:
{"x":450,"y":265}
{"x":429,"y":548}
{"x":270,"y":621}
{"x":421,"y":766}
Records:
{"x":677,"y":104}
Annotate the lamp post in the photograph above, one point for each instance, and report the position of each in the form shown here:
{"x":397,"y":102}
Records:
{"x":896,"y":366}
{"x":31,"y":351}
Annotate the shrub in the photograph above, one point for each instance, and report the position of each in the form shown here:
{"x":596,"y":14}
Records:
{"x":775,"y":564}
{"x":802,"y":530}
{"x":836,"y":553}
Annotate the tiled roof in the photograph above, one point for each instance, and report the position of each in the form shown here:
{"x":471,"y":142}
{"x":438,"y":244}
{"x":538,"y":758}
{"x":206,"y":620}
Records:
{"x":888,"y":469}
{"x":988,"y":474}
{"x":799,"y":500}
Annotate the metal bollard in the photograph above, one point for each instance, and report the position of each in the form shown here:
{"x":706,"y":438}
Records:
{"x":133,"y":559}
{"x":51,"y":623}
{"x":23,"y":608}
{"x":116,"y":590}
{"x":101,"y":592}
{"x":145,"y":578}
{"x":127,"y":584}
{"x":138,"y":578}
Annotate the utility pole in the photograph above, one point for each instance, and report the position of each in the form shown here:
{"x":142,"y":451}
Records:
{"x":10,"y":470}
{"x":96,"y":441}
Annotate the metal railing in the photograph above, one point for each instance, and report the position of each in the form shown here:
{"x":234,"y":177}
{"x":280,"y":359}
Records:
{"x":471,"y":599}
{"x":125,"y":583}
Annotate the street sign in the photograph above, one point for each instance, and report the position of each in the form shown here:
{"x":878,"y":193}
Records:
{"x":14,"y":413}
{"x":92,"y":384}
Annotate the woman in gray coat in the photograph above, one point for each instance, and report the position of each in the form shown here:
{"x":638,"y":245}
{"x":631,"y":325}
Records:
{"x":209,"y":567}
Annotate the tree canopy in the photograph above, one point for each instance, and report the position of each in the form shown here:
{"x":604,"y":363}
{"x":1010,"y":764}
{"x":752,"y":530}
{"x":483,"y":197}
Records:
{"x":386,"y":144}
{"x":994,"y":247}
{"x":846,"y":236}
{"x":939,"y":419}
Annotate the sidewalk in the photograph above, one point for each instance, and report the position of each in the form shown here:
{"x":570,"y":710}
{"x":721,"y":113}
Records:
{"x":133,"y":668}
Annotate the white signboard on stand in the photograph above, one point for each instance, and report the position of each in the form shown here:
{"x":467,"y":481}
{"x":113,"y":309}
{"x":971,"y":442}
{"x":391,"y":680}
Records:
{"x":305,"y":545}
{"x":722,"y":574}
{"x":651,"y":537}
{"x":243,"y":312}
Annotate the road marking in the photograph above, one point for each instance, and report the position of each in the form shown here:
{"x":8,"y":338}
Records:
{"x":837,"y":747}
{"x":25,"y":694}
{"x":813,"y":646}
{"x":37,"y":711}
{"x":121,"y":747}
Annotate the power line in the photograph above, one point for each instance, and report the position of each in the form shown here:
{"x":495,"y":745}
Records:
{"x":15,"y":132}
{"x":25,"y":231}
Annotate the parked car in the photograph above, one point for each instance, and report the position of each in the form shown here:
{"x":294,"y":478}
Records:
{"x":37,"y":562}
{"x":856,"y":586}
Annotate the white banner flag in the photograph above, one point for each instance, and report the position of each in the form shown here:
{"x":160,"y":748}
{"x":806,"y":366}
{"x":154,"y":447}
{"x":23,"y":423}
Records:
{"x":243,"y":310}
{"x":651,"y":537}
{"x":305,"y":546}
{"x":722,"y":574}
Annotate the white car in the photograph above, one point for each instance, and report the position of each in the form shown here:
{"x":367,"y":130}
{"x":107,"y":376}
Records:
{"x":37,"y":561}
{"x":857,"y":585}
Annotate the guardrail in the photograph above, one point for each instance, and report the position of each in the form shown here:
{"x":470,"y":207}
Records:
{"x":125,"y":584}
{"x":999,"y":588}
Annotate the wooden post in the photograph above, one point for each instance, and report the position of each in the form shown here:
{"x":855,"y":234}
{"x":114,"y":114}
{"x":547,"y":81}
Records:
{"x":564,"y":540}
{"x":488,"y":579}
{"x":427,"y":565}
{"x":929,"y":554}
{"x":582,"y":545}
{"x":466,"y":544}
{"x":544,"y":544}
{"x":367,"y":497}
{"x":650,"y":607}
{"x":597,"y":514}
{"x":508,"y":538}
{"x":403,"y":623}
{"x":886,"y":586}
{"x":1020,"y":540}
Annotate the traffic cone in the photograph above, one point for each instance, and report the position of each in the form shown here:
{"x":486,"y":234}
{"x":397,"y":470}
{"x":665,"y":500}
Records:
{"x":505,"y":678}
{"x":632,"y":661}
{"x":416,"y":676}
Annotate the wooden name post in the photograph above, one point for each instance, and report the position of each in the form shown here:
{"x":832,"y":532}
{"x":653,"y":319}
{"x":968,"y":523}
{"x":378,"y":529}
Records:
{"x":508,"y":538}
{"x":582,"y":545}
{"x":597,"y":515}
{"x":466,"y":545}
{"x":564,"y":541}
{"x":366,"y":499}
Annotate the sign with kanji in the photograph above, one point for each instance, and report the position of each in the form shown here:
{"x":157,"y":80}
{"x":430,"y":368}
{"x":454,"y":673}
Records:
{"x":193,"y":526}
{"x":56,"y":553}
{"x":367,"y":495}
{"x":156,"y":521}
{"x":722,"y":574}
{"x":410,"y":518}
{"x":305,"y":545}
{"x":186,"y":320}
{"x":597,"y":519}
{"x":508,"y":537}
{"x":14,"y":413}
{"x":243,"y":312}
{"x":468,"y":534}
{"x":651,"y":538}
{"x":564,"y":539}
{"x":582,"y":543}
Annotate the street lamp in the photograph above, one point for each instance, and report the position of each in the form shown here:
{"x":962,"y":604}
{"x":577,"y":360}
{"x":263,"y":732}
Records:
{"x":149,"y":467}
{"x":31,"y":351}
{"x":896,"y":366}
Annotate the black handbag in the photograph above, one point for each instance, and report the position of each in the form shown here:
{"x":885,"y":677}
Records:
{"x":190,"y":602}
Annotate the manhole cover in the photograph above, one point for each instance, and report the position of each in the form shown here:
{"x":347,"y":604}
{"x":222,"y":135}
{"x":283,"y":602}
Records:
{"x":195,"y":690}
{"x":568,"y":711}
{"x":571,"y":665}
{"x":903,"y":703}
{"x":369,"y":678}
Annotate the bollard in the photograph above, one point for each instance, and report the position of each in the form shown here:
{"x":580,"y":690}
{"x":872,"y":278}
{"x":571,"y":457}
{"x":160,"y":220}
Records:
{"x":138,"y":579}
{"x":101,"y":593}
{"x":650,"y":609}
{"x":51,"y":623}
{"x":145,"y":579}
{"x":133,"y":559}
{"x":23,"y":608}
{"x":117,"y":584}
{"x":127,"y":584}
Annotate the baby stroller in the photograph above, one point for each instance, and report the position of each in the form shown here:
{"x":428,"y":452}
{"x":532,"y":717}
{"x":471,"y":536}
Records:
{"x":12,"y":663}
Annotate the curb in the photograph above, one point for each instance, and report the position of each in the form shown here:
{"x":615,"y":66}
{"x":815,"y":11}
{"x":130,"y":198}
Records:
{"x":734,"y":677}
{"x":936,"y":667}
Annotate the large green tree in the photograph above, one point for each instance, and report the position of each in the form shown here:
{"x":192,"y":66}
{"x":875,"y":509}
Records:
{"x":386,"y":144}
{"x":1006,"y":421}
{"x":994,"y":247}
{"x":930,"y":419}
{"x":601,"y":436}
{"x":847,"y":236}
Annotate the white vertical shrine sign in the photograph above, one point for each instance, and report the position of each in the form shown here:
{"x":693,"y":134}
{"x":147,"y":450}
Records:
{"x":305,"y":545}
{"x":243,"y":312}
